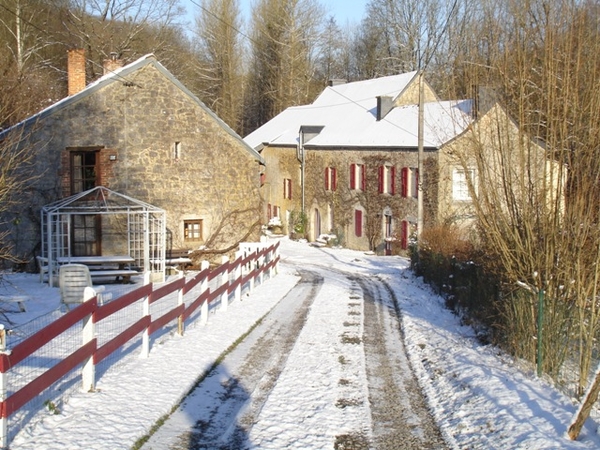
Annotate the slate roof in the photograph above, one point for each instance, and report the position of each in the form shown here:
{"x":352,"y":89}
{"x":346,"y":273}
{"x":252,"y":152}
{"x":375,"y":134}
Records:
{"x":348,"y":115}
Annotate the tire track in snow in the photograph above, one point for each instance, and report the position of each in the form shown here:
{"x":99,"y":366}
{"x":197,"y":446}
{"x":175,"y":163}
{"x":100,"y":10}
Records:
{"x":400,"y":416}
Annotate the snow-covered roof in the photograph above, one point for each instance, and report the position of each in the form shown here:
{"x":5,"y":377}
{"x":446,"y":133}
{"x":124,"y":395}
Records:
{"x":348,"y":115}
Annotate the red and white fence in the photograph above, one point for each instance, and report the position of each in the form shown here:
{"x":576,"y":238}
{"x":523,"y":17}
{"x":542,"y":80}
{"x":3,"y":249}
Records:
{"x":86,"y":337}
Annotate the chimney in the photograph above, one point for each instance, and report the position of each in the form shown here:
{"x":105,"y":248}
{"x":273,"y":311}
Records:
{"x":336,"y":82}
{"x":112,"y":64}
{"x":75,"y":70}
{"x":384,"y":105}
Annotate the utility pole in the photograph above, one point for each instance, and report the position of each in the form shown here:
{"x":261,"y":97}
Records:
{"x":420,"y":171}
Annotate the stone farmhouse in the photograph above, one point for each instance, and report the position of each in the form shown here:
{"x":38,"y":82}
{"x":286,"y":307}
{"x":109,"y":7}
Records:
{"x":349,"y":161}
{"x":138,"y":132}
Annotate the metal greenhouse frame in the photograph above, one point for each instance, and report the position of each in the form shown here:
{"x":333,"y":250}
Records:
{"x":144,"y":238}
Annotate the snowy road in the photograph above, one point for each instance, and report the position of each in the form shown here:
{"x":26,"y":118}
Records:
{"x":286,"y":372}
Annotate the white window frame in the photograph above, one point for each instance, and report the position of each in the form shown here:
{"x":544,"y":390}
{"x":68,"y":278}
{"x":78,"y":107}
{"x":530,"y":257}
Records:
{"x":460,"y":185}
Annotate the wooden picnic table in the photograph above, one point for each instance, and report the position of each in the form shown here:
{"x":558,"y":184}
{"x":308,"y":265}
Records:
{"x":120,"y":260}
{"x":104,"y":265}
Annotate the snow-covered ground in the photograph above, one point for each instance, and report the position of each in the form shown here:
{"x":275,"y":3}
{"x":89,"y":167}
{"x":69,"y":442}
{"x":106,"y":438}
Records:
{"x":479,"y":397}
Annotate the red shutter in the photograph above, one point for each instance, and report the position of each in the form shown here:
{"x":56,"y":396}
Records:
{"x":393,"y":180}
{"x":284,"y":188}
{"x":269,"y":216}
{"x":289,"y":188}
{"x":333,"y":179}
{"x":358,"y":222}
{"x":380,"y":179}
{"x":352,"y":176}
{"x":363,"y":177}
{"x":404,"y":176}
{"x":327,"y":178}
{"x":404,"y":236}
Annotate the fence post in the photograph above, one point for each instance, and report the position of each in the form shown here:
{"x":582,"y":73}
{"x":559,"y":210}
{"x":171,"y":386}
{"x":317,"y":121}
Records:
{"x":88,"y":373}
{"x":203,"y":287}
{"x":145,"y":353}
{"x":238,"y":274}
{"x":180,"y":321}
{"x":260,"y":264}
{"x":224,"y":281}
{"x":252,"y":268}
{"x":3,"y":391}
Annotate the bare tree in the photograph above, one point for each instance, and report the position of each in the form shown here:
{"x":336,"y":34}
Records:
{"x":284,"y":34}
{"x":537,"y":225}
{"x":221,"y":58}
{"x":126,"y":29}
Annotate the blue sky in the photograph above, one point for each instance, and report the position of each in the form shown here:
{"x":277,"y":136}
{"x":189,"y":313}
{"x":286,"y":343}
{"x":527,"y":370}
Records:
{"x":344,"y":11}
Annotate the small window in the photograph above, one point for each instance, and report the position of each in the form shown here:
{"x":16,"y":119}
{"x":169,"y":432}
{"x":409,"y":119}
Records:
{"x":460,"y":184}
{"x":330,"y":179}
{"x":192,"y":230}
{"x":410,"y":182}
{"x":287,"y":188}
{"x":357,"y":177}
{"x":177,"y":150}
{"x":387,"y":178}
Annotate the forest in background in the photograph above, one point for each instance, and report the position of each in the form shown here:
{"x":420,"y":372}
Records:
{"x":248,"y":69}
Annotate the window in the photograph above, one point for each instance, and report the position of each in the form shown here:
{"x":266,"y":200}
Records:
{"x":177,"y":150}
{"x":460,"y":184}
{"x":192,"y":230}
{"x":83,"y":171}
{"x":287,"y":188}
{"x":357,"y":177}
{"x":330,"y":179}
{"x":358,"y":225}
{"x":410,"y":182}
{"x":387,"y":177}
{"x":85,"y":235}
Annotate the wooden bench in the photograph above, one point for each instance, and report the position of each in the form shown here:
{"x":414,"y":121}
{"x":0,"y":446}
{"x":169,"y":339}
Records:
{"x":125,"y":274}
{"x":178,"y":258}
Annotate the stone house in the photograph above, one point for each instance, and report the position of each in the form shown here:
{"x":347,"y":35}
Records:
{"x":350,"y":161}
{"x":139,"y":132}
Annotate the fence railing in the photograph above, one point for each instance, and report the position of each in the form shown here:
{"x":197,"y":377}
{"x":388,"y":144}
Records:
{"x":89,"y":334}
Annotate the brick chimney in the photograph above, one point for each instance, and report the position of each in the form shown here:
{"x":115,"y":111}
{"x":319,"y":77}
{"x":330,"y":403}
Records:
{"x":112,"y":64}
{"x":76,"y":70}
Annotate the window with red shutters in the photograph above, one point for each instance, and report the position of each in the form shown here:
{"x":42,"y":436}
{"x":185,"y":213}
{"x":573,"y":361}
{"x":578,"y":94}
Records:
{"x":330,"y":179}
{"x":357,"y":177}
{"x":358,"y":226}
{"x":387,"y":176}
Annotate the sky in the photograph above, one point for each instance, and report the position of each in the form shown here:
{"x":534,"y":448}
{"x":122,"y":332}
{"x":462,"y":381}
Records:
{"x":480,"y":397}
{"x":343,"y":10}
